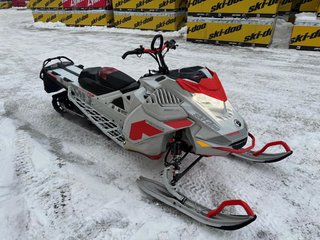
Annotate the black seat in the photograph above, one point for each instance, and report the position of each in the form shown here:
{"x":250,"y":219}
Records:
{"x":192,"y":73}
{"x":105,"y":80}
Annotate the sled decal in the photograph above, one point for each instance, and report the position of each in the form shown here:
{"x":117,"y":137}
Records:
{"x":142,"y":127}
{"x":178,"y":124}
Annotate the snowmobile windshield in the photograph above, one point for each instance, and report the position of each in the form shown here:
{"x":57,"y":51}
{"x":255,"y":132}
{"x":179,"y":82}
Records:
{"x":212,"y":106}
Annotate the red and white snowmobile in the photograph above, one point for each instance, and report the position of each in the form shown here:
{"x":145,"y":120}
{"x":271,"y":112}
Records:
{"x":171,"y":112}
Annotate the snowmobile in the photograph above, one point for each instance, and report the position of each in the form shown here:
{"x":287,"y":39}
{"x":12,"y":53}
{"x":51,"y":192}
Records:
{"x":166,"y":114}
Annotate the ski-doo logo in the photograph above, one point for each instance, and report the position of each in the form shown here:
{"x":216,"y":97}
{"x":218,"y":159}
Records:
{"x":195,"y":2}
{"x":284,"y":2}
{"x":110,"y":22}
{"x":257,"y":35}
{"x":142,"y":22}
{"x":48,"y":3}
{"x":166,"y":3}
{"x":98,"y":19}
{"x":206,"y":121}
{"x":224,"y":4}
{"x":51,"y":18}
{"x":301,"y":38}
{"x":82,"y":18}
{"x":38,"y":18}
{"x":68,"y":17}
{"x":227,"y":31}
{"x":196,"y":28}
{"x":36,"y":3}
{"x":119,"y":3}
{"x":142,"y":2}
{"x":123,"y":20}
{"x":166,"y":23}
{"x":261,"y":5}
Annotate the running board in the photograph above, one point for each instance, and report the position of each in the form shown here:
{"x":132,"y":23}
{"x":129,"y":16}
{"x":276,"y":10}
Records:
{"x":108,"y":127}
{"x":193,"y":209}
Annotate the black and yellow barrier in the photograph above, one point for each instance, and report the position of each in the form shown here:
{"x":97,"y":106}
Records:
{"x":76,"y":18}
{"x":164,"y":21}
{"x":5,"y":5}
{"x":306,"y":37}
{"x":242,"y":32}
{"x":45,"y":4}
{"x":149,"y":5}
{"x":234,"y":8}
{"x":288,"y":6}
{"x":309,"y":5}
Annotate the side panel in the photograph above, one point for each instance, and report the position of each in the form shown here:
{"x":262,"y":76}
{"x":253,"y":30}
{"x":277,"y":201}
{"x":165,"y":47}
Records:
{"x":148,"y":135}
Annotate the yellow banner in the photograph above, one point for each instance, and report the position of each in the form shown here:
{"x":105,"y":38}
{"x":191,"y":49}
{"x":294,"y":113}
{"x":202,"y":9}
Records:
{"x":167,"y":21}
{"x":221,"y":31}
{"x":45,"y":4}
{"x":149,"y":4}
{"x":285,"y":5}
{"x":309,"y":5}
{"x":76,"y":18}
{"x":4,"y":5}
{"x":47,"y":16}
{"x":305,"y":37}
{"x":240,"y":7}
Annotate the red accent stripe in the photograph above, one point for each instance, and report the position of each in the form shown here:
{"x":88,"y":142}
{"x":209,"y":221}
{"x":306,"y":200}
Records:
{"x":224,"y":204}
{"x":178,"y":124}
{"x":142,"y":127}
{"x":233,"y":133}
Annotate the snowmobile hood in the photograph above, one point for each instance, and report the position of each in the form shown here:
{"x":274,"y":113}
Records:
{"x":210,"y":86}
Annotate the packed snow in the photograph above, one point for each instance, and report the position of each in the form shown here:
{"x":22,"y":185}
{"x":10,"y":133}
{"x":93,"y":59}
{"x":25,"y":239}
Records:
{"x":60,"y":178}
{"x":308,"y":19}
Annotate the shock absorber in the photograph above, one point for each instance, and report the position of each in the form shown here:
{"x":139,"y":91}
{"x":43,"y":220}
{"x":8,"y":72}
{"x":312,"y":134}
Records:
{"x":176,"y":148}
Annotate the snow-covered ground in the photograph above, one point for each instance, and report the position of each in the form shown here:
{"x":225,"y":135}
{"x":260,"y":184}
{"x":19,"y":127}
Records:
{"x":60,"y":178}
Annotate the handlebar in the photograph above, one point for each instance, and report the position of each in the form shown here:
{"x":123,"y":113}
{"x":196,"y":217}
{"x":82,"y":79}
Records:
{"x":154,"y":50}
{"x":156,"y":37}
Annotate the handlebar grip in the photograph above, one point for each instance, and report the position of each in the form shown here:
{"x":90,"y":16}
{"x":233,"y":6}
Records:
{"x":136,"y":51}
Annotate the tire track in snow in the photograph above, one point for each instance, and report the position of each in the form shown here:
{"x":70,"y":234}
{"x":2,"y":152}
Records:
{"x":49,"y":191}
{"x":43,"y":188}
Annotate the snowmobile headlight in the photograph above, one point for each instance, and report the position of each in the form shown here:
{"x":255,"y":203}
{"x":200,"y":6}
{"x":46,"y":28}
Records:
{"x":209,"y":104}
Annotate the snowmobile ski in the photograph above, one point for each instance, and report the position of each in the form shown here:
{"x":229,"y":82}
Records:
{"x":195,"y":210}
{"x":263,"y":157}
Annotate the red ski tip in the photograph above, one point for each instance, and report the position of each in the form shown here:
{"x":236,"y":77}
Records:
{"x":226,"y":203}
